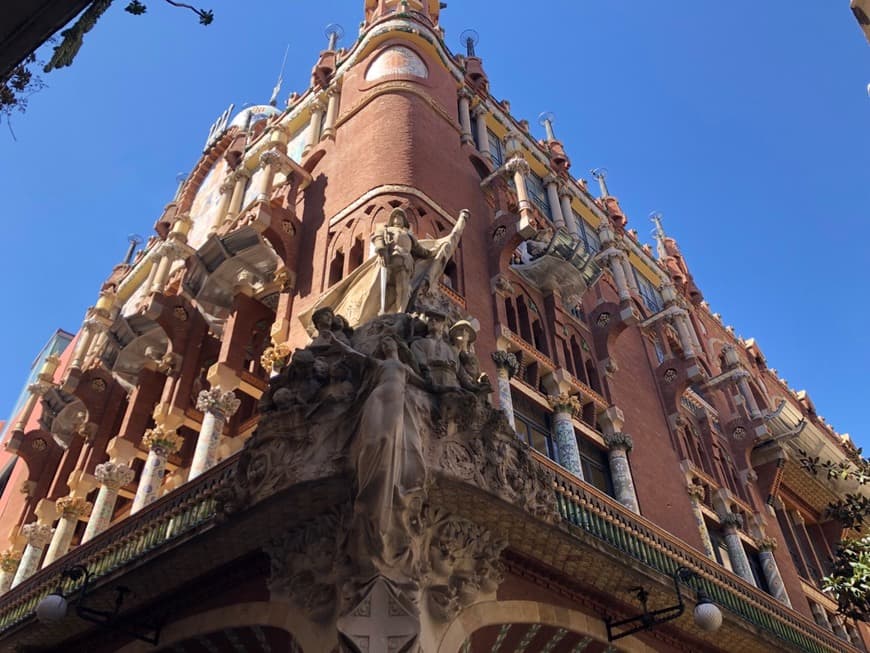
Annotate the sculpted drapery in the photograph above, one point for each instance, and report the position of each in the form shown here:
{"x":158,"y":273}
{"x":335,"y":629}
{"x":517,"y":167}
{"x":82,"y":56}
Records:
{"x":385,"y":283}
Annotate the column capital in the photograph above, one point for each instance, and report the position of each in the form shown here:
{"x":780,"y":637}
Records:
{"x":74,"y":507}
{"x":162,"y":441}
{"x":215,"y":400}
{"x":240,"y":173}
{"x":695,"y":491}
{"x":619,"y":440}
{"x":731,"y":520}
{"x":766,"y":544}
{"x":270,"y":157}
{"x":564,"y":403}
{"x":114,"y":475}
{"x":37,"y":535}
{"x":479,"y":110}
{"x":507,"y":361}
{"x":9,"y":560}
{"x":518,"y":164}
{"x":318,"y":102}
{"x":465,"y":93}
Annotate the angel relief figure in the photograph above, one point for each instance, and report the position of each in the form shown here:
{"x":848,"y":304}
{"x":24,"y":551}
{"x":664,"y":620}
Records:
{"x":386,"y":282}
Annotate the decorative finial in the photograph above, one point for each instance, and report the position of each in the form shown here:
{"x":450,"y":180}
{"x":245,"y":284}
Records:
{"x":273,"y":101}
{"x":179,"y":184}
{"x":546,"y":119}
{"x":469,"y":39}
{"x":334,"y":32}
{"x":659,"y":232}
{"x":601,"y":175}
{"x":135,"y":240}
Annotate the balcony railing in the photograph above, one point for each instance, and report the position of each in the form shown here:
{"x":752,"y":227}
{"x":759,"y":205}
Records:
{"x":192,"y":507}
{"x":167,"y":519}
{"x":599,"y":515}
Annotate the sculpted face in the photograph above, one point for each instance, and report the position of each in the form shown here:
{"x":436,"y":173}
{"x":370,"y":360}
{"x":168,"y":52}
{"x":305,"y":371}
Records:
{"x":323,"y":319}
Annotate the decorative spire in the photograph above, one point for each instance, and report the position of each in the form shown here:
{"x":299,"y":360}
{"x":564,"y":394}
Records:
{"x":273,"y":101}
{"x":659,"y":232}
{"x":469,"y":39}
{"x":334,"y":32}
{"x":601,"y":175}
{"x":546,"y":119}
{"x":135,"y":240}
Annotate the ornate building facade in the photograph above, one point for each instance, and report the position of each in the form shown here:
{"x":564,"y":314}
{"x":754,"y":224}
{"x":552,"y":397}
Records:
{"x":389,"y":378}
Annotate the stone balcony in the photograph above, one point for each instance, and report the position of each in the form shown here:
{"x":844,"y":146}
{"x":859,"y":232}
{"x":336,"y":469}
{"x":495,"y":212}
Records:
{"x":591,"y":543}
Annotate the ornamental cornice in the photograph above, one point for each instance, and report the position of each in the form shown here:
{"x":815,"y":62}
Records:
{"x":217,"y":401}
{"x":36,"y":534}
{"x":74,"y":507}
{"x":114,"y":475}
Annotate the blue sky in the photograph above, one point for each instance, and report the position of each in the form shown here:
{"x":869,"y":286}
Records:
{"x":747,"y":125}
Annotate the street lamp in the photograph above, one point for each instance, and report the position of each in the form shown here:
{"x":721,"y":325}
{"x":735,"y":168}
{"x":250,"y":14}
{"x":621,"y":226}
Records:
{"x":54,"y":607}
{"x":708,"y":616}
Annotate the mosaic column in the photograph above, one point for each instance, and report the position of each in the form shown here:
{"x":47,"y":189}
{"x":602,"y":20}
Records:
{"x":37,"y":535}
{"x":217,"y":406}
{"x":564,"y":406}
{"x":112,"y":477}
{"x":8,"y":565}
{"x":552,"y":187}
{"x":766,"y":547}
{"x":161,"y":443}
{"x":506,"y":366}
{"x":618,"y":446}
{"x":730,"y":523}
{"x":696,"y":495}
{"x":72,"y":509}
{"x":820,"y":615}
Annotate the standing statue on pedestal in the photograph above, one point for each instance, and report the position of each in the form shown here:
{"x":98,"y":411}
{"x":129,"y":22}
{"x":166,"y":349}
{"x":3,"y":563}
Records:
{"x":385,"y":283}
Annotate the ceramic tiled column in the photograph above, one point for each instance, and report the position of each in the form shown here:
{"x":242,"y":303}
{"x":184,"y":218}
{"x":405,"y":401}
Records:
{"x":731,"y":522}
{"x":564,"y":406}
{"x":766,"y":547}
{"x":618,"y":446}
{"x":112,"y":477}
{"x":217,"y":406}
{"x":72,"y":509}
{"x":506,"y":366}
{"x":696,"y":496}
{"x":161,"y":443}
{"x":37,"y":535}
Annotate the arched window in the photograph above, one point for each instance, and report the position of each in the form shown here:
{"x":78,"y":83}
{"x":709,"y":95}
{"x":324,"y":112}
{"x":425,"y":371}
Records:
{"x":336,"y":268}
{"x":355,"y":256}
{"x":511,"y":314}
{"x":592,"y":376}
{"x":523,"y":318}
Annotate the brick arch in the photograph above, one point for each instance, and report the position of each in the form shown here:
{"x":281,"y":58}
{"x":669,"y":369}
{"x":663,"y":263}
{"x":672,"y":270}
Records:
{"x":491,"y":613}
{"x":256,"y":613}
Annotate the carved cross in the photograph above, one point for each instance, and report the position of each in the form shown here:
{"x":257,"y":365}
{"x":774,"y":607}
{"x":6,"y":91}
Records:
{"x":382,"y":622}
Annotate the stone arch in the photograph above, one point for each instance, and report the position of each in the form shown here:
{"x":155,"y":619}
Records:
{"x":493,"y":613}
{"x":308,"y":638}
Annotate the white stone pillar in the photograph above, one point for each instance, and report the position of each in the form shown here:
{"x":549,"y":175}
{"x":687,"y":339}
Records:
{"x":8,"y":566}
{"x":318,"y":106}
{"x":568,"y":213}
{"x":239,"y":177}
{"x":618,"y":446}
{"x":465,"y":115}
{"x":506,"y":366}
{"x":217,"y":406}
{"x":766,"y":547}
{"x":226,"y":192}
{"x":333,"y":94}
{"x":820,"y":615}
{"x":629,"y":273}
{"x":683,"y":331}
{"x":479,"y":114}
{"x":552,"y":185}
{"x":37,"y":535}
{"x":564,"y":406}
{"x":72,"y":509}
{"x":83,"y":344}
{"x":269,"y":160}
{"x":161,"y":443}
{"x":696,"y":495}
{"x":730,"y":523}
{"x":520,"y":168}
{"x":746,"y":391}
{"x":112,"y":477}
{"x":616,"y":267}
